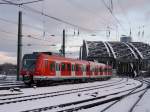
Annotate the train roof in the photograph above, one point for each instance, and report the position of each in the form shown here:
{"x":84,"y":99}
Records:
{"x":57,"y":57}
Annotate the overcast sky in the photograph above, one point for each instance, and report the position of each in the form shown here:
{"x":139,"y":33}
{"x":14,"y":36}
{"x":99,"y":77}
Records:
{"x":89,"y":14}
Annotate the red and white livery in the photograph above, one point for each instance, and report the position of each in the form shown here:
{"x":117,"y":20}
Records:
{"x":46,"y":66}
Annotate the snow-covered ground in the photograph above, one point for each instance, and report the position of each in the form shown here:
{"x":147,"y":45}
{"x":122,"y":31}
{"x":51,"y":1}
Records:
{"x":7,"y":77}
{"x":144,"y":103}
{"x":62,"y":94}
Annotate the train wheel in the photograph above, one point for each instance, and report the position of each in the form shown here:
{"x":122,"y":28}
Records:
{"x":28,"y":80}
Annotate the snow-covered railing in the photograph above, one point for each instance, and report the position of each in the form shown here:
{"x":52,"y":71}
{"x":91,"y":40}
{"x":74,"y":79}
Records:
{"x":131,"y":50}
{"x":111,"y":50}
{"x":137,"y":50}
{"x":106,"y":48}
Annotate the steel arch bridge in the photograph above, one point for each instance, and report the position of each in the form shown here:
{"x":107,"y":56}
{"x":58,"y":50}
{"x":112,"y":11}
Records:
{"x":126,"y":58}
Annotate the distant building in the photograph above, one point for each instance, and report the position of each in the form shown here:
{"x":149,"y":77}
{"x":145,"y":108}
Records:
{"x":8,"y":68}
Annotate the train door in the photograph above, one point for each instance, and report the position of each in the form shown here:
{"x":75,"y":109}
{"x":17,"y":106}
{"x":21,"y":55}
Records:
{"x":96,"y":70}
{"x":45,"y":68}
{"x":100,"y":70}
{"x":68,"y":69}
{"x":91,"y":70}
{"x":78,"y":70}
{"x":88,"y":70}
{"x":109,"y":70}
{"x":104,"y":70}
{"x":65,"y":69}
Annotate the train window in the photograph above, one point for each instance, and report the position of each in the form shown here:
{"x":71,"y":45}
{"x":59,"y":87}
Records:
{"x":92,"y":69}
{"x":63,"y":67}
{"x":72,"y":67}
{"x":69,"y":67}
{"x":52,"y":66}
{"x":29,"y":63}
{"x":57,"y":67}
{"x":83,"y":68}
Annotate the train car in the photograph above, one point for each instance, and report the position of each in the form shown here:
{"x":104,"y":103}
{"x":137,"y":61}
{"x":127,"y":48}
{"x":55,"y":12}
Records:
{"x":46,"y":66}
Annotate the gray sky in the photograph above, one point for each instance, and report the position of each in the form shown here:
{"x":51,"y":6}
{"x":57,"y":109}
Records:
{"x":90,"y":14}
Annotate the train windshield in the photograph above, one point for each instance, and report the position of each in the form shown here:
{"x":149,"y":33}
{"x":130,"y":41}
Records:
{"x":29,"y":64}
{"x":29,"y":61}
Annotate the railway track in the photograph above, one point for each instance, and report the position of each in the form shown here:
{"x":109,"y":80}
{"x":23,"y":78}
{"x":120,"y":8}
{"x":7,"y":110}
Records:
{"x":140,"y":91}
{"x":87,"y":103}
{"x":147,"y":81}
{"x":92,"y":103}
{"x":5,"y":85}
{"x":17,"y":99}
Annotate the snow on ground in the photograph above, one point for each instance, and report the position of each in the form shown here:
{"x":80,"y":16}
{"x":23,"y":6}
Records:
{"x":7,"y":77}
{"x":125,"y":104}
{"x":39,"y":90}
{"x":97,"y":108}
{"x":144,"y":104}
{"x":66,"y":98}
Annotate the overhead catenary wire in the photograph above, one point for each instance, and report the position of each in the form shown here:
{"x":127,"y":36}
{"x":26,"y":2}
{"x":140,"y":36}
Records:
{"x":28,"y":36}
{"x":43,"y":20}
{"x":111,"y":12}
{"x":75,"y":3}
{"x":28,"y":2}
{"x":58,"y":19}
{"x":49,"y":16}
{"x":8,"y":32}
{"x":126,"y":17}
{"x":87,"y":9}
{"x":26,"y":25}
{"x":38,"y":45}
{"x":123,"y":13}
{"x":30,"y":26}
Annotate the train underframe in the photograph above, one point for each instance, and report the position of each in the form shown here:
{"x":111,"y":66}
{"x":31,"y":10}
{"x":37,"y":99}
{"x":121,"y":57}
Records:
{"x":31,"y":80}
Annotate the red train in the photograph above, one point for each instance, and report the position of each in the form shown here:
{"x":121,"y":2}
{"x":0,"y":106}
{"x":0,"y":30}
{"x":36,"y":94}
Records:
{"x":45,"y":66}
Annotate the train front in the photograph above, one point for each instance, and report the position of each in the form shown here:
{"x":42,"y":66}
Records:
{"x":28,"y":67}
